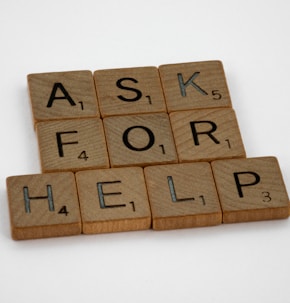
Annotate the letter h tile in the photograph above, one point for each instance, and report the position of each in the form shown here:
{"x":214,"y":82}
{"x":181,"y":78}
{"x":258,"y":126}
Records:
{"x":43,"y":205}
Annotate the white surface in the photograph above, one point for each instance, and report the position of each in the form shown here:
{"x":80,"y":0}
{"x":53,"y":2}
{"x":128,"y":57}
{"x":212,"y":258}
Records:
{"x":247,"y":262}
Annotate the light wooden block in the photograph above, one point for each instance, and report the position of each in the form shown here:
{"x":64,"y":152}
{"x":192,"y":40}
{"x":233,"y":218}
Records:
{"x":140,"y":140}
{"x":72,"y":145}
{"x":206,"y":135}
{"x":63,"y":95}
{"x":129,"y":91}
{"x":251,"y":189}
{"x":182,"y":196}
{"x":113,"y":200}
{"x":194,"y":85}
{"x":43,"y":205}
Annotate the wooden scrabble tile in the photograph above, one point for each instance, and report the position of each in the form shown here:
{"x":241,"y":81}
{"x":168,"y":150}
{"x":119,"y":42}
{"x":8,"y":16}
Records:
{"x":63,"y":95}
{"x":205,"y":135}
{"x":194,"y":85}
{"x":72,"y":145}
{"x":43,"y":205}
{"x":113,"y":200}
{"x":129,"y":91}
{"x":139,"y":140}
{"x":182,"y":196}
{"x":251,"y":189}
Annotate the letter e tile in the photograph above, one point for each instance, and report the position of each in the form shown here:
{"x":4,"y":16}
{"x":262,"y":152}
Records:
{"x":43,"y":205}
{"x":113,"y":200}
{"x":182,"y":196}
{"x":251,"y":189}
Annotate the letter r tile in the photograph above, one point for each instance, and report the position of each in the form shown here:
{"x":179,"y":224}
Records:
{"x":206,"y":135}
{"x":43,"y":205}
{"x":182,"y":196}
{"x":113,"y":200}
{"x":62,"y":95}
{"x":251,"y":189}
{"x":194,"y":85}
{"x":72,"y":145}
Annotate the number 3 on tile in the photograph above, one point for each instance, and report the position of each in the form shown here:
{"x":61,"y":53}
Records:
{"x":83,"y":155}
{"x":266,"y":196}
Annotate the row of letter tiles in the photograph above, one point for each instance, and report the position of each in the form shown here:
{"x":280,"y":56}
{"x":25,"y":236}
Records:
{"x":139,"y":140}
{"x":126,"y":91}
{"x":161,"y":197}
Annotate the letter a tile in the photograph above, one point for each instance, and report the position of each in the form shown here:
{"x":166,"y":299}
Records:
{"x":194,"y":85}
{"x":63,"y":95}
{"x":72,"y":145}
{"x":113,"y":200}
{"x":43,"y":205}
{"x":251,"y":189}
{"x":206,"y":135}
{"x":182,"y":196}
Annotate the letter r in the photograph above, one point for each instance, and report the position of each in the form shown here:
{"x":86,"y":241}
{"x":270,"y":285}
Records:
{"x":196,"y":133}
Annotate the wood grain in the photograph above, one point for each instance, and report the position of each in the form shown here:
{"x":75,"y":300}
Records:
{"x":127,"y":91}
{"x":113,"y":200}
{"x":194,"y":85}
{"x":206,"y":135}
{"x":182,"y":196}
{"x":72,"y":145}
{"x":43,"y":205}
{"x":62,"y":95}
{"x":251,"y":189}
{"x":139,"y":140}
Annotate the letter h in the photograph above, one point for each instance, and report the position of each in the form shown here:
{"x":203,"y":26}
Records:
{"x":27,"y":199}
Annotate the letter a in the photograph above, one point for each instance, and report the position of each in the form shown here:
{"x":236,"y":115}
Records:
{"x":65,"y":96}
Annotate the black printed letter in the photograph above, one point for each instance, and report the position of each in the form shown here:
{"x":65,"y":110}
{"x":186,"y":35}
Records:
{"x":60,"y":143}
{"x":65,"y":96}
{"x":240,"y":185}
{"x":130,"y":146}
{"x":137,"y":91}
{"x":209,"y":132}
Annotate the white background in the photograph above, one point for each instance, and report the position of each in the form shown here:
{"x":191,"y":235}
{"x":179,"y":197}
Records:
{"x":248,"y":262}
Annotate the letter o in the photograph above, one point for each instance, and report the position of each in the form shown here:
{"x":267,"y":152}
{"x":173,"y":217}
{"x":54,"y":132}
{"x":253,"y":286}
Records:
{"x":130,"y":146}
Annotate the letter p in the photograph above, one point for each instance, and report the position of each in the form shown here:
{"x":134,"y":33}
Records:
{"x":240,"y":184}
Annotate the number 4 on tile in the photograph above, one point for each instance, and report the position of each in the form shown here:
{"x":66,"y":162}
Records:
{"x":63,"y":210}
{"x":83,"y":155}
